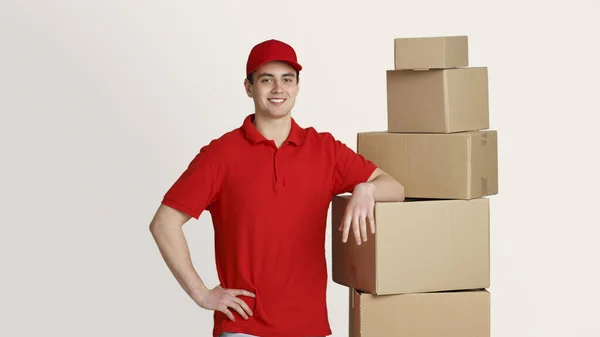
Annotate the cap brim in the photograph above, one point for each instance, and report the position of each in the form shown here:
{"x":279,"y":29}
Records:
{"x":295,"y":65}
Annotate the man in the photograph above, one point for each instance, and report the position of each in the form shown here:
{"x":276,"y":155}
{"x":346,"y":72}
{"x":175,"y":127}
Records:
{"x":268,"y":185}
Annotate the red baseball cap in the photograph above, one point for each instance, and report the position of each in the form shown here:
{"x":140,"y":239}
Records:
{"x":271,"y":50}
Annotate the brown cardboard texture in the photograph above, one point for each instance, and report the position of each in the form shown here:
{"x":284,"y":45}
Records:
{"x":431,"y":52}
{"x":460,"y":165}
{"x":418,"y":246}
{"x":447,"y":314}
{"x":437,"y":101}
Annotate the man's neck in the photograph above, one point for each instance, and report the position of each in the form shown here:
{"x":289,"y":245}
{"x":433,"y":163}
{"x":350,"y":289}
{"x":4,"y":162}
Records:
{"x":276,"y":129}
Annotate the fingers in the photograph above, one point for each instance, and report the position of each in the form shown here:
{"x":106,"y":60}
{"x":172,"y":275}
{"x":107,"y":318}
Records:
{"x":356,"y":219}
{"x":346,"y":225}
{"x":223,"y":309}
{"x":371,"y":218}
{"x":241,"y":292}
{"x":244,"y":306}
{"x":356,"y":228}
{"x":363,"y":227}
{"x":238,"y":304}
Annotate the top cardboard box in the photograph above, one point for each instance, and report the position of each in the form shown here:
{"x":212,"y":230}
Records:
{"x":431,"y":52}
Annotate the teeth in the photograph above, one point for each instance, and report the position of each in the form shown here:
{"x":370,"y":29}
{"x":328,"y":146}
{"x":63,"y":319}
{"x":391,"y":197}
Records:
{"x":276,"y":100}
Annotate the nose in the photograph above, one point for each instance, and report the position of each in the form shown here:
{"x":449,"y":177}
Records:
{"x":276,"y":87}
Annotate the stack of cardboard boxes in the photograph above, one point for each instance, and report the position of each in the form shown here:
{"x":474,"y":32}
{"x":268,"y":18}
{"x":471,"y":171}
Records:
{"x":426,"y":270}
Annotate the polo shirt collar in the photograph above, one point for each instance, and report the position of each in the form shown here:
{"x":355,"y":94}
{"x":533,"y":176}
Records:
{"x":296,"y":136}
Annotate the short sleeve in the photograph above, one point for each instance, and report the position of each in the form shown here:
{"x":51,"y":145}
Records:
{"x":351,"y":169}
{"x":196,"y":188}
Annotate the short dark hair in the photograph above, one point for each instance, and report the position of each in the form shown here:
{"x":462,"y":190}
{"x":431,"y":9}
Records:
{"x":250,"y":77}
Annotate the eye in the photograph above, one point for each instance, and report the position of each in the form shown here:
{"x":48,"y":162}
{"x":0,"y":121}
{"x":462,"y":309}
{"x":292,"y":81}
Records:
{"x":265,"y":80}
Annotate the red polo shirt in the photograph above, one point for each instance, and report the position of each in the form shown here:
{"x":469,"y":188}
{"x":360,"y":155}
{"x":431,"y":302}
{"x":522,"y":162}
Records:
{"x":269,"y":211}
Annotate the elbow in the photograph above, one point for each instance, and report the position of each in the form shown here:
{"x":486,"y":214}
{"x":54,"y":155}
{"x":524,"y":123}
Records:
{"x":401,"y":193}
{"x":153,"y":227}
{"x":158,"y":230}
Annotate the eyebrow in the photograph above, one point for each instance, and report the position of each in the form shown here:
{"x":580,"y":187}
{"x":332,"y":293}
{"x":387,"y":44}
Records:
{"x":271,"y":75}
{"x":265,"y":75}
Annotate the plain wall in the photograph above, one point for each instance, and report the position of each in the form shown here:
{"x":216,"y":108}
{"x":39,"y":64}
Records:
{"x":104,"y":103}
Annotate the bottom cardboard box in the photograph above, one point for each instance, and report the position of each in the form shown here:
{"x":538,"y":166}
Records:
{"x":447,"y":314}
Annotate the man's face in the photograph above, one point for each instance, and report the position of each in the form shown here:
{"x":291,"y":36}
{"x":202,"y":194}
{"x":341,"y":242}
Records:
{"x":274,"y":90}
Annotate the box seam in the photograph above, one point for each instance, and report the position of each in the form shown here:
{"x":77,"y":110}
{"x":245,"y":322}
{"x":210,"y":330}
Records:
{"x":406,"y":159}
{"x":376,"y":250}
{"x":469,"y":166}
{"x":395,"y":54}
{"x":360,"y":318}
{"x":446,"y":99}
{"x":445,"y":54}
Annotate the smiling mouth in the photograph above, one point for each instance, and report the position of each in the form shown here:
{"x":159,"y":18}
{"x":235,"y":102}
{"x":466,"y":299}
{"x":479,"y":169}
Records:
{"x":276,"y":100}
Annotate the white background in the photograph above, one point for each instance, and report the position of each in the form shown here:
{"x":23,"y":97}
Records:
{"x":104,"y":103}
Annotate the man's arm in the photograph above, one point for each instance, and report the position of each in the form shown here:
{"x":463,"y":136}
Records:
{"x":385,"y":188}
{"x":379,"y":187}
{"x":166,"y":228}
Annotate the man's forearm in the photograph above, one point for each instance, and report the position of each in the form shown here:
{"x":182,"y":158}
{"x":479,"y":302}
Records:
{"x":175,"y":252}
{"x":385,"y":188}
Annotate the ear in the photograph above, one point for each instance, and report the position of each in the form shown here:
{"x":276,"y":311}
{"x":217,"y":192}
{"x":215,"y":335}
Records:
{"x":248,"y":87}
